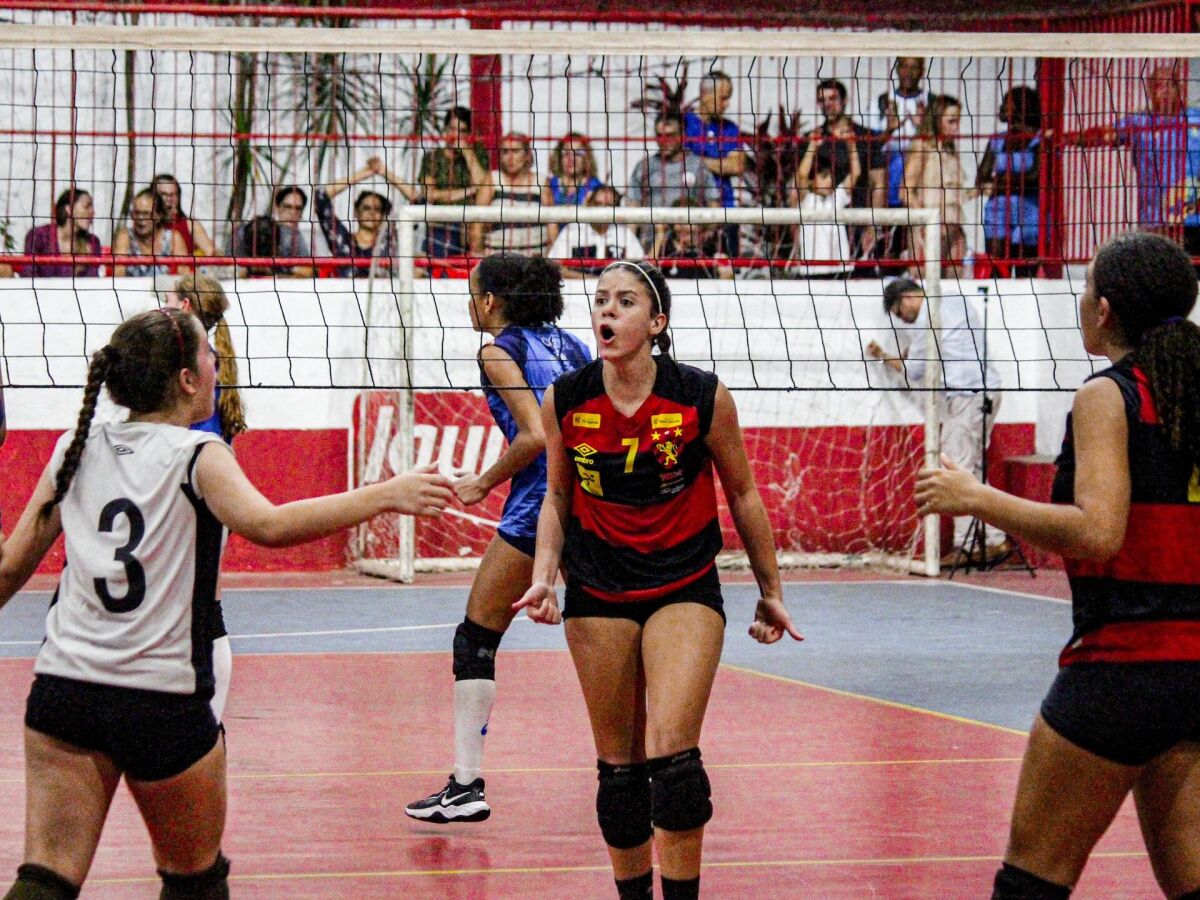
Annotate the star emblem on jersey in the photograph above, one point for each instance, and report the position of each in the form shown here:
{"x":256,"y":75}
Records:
{"x":667,"y":453}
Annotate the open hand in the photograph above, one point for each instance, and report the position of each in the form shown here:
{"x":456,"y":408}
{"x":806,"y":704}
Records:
{"x":949,"y":490}
{"x":421,"y":492}
{"x":771,"y":622}
{"x":470,"y":490}
{"x":540,"y":604}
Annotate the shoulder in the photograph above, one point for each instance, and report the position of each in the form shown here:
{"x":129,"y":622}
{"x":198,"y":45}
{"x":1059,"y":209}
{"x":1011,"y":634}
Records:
{"x":682,"y":382}
{"x":578,"y":385}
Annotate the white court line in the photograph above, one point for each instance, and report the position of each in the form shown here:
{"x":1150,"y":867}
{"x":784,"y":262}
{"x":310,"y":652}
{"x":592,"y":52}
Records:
{"x":20,"y":643}
{"x":995,"y":590}
{"x":380,"y":630}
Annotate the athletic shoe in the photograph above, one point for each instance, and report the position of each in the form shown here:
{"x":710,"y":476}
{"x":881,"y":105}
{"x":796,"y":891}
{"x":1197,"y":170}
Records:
{"x":453,"y":803}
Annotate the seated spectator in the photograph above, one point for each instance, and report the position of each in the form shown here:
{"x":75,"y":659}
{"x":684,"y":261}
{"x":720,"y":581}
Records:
{"x":255,"y":237}
{"x":70,"y":234}
{"x":374,"y":238}
{"x":572,"y":171}
{"x":147,"y":234}
{"x":672,"y":174}
{"x":195,"y":238}
{"x":604,"y":242}
{"x":452,"y":175}
{"x":1008,"y":175}
{"x":826,"y":242}
{"x":515,"y":185}
{"x":690,"y":242}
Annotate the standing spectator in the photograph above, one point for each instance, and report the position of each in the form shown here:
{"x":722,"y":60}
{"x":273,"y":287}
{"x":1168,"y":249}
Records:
{"x":963,"y":406}
{"x":195,"y":238}
{"x":834,"y":144}
{"x":69,"y":235}
{"x":672,"y":174}
{"x":826,"y":242}
{"x":718,"y":142}
{"x":573,"y":170}
{"x":515,"y":185}
{"x":604,"y":242}
{"x":900,"y":113}
{"x":452,"y":175}
{"x":374,"y":238}
{"x":147,"y":234}
{"x":699,"y":244}
{"x":933,"y":178}
{"x":277,"y":234}
{"x":1008,"y":174}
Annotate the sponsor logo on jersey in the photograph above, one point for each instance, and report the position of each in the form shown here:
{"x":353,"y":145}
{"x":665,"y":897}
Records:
{"x":122,"y":450}
{"x":585,"y":453}
{"x":666,"y":420}
{"x":586,"y":420}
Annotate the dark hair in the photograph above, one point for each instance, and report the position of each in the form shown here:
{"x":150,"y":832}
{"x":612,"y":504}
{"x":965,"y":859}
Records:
{"x":159,"y":205}
{"x":1149,"y":282}
{"x":262,"y":239}
{"x":168,"y":178}
{"x":65,"y":203}
{"x":835,"y":85}
{"x":669,"y":116}
{"x":657,"y":290}
{"x":529,"y":287}
{"x":823,"y":164}
{"x":457,"y":112}
{"x":1027,"y":108}
{"x":896,"y":290}
{"x":139,"y":364}
{"x":603,"y":186}
{"x":384,"y":203}
{"x":286,"y":191}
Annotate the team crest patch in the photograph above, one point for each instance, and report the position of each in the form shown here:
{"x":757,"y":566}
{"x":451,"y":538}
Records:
{"x":667,"y":452}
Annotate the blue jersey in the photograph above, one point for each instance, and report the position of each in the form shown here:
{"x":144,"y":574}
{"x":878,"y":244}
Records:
{"x":1165,"y":151}
{"x":713,"y":140}
{"x":543,"y":354}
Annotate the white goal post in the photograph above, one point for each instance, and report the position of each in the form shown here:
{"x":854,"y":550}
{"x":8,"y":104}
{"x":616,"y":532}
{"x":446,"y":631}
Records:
{"x":400,"y":320}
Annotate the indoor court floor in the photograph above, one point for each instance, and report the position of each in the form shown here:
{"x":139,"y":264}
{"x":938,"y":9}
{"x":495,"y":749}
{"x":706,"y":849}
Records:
{"x":877,"y":759}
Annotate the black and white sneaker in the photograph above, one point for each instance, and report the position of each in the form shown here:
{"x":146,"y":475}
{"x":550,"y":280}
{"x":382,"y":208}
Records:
{"x":453,"y":803}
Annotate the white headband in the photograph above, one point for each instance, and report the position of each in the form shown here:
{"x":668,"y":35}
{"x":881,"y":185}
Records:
{"x":640,"y":271}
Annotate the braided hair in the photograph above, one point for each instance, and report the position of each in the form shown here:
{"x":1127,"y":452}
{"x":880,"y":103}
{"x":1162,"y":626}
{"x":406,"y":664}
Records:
{"x":1150,"y":284}
{"x":209,"y":303}
{"x":529,"y":288}
{"x":140,"y":364}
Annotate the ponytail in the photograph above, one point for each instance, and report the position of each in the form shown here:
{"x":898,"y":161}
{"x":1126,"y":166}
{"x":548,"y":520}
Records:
{"x":102,"y":359}
{"x":1169,"y":356}
{"x":229,"y":402}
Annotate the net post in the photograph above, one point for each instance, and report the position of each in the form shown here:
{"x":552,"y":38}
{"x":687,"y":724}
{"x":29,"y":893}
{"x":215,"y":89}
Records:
{"x":405,"y":269}
{"x":933,"y":378}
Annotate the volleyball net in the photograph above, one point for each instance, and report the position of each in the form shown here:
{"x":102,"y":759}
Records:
{"x":341,"y":182}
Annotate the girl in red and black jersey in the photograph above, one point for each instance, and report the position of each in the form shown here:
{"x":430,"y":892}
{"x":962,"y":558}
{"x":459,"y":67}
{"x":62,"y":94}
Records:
{"x":631,"y":513}
{"x":1124,"y":712}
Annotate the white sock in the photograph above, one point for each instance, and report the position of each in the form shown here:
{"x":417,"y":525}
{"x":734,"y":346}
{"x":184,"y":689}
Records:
{"x":222,"y":660}
{"x":473,"y":699}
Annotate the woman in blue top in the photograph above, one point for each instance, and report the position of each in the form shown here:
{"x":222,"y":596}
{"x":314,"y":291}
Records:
{"x":1008,"y":175}
{"x":517,"y":300}
{"x":572,"y":171}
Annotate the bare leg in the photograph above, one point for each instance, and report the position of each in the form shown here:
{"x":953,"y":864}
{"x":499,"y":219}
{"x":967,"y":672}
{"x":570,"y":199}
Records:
{"x":1168,"y":804}
{"x":503,"y":577}
{"x":681,"y":647}
{"x":607,"y":656}
{"x":67,"y":795}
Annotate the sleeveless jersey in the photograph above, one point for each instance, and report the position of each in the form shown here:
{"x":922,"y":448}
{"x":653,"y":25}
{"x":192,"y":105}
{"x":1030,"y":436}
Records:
{"x":139,"y":586}
{"x":643,"y":517}
{"x":543,"y":354}
{"x":1143,"y":605}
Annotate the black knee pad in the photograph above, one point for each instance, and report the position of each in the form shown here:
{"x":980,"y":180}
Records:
{"x":1013,"y":883}
{"x":211,"y":884}
{"x":36,"y":882}
{"x":680,"y":795}
{"x":623,"y":804}
{"x":475,"y":651}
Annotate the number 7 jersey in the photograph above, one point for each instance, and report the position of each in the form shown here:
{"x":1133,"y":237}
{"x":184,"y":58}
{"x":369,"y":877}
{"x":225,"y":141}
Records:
{"x":643,"y":517}
{"x":143,"y":553}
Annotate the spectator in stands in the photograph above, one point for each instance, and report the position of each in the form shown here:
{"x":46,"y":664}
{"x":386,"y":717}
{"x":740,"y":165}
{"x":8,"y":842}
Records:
{"x":148,"y":234}
{"x":374,"y":238}
{"x":195,"y":238}
{"x":700,"y":245}
{"x":573,"y":170}
{"x":672,"y":174}
{"x":604,"y":242}
{"x":515,"y":185}
{"x":825,"y":242}
{"x":933,"y":178}
{"x":70,"y":234}
{"x":834,"y":144}
{"x":453,"y":175}
{"x":718,"y":142}
{"x":277,"y":234}
{"x":900,"y":113}
{"x":1008,"y":176}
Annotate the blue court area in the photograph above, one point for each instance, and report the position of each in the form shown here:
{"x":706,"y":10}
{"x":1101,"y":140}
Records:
{"x":959,"y":649}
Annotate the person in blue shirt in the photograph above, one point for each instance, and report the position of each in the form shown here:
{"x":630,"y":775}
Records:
{"x":718,"y":143}
{"x":517,"y":300}
{"x":1009,"y":177}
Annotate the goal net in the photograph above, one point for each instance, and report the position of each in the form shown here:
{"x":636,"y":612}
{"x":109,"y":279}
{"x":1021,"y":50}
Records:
{"x":341,"y":182}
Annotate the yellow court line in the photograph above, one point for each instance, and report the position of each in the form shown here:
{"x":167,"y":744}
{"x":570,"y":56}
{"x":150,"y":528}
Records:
{"x":572,"y":870}
{"x":962,"y":720}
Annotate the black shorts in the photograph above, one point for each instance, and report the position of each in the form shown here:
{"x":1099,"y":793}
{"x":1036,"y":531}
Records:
{"x":149,"y":735}
{"x":705,"y":590}
{"x":1127,"y":713}
{"x":525,"y":545}
{"x":216,"y":625}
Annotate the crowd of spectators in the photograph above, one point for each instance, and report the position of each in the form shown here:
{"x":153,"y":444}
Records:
{"x":909,"y":156}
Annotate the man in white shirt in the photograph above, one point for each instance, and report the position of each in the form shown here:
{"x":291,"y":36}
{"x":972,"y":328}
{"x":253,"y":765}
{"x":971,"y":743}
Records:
{"x":968,"y":403}
{"x":603,"y":242}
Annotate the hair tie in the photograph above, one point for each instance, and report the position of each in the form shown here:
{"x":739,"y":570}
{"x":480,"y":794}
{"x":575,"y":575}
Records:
{"x":640,"y":271}
{"x":178,"y":333}
{"x":1173,"y":320}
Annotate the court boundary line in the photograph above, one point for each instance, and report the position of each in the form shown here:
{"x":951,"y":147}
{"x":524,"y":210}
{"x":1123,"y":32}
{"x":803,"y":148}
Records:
{"x":1006,"y":591}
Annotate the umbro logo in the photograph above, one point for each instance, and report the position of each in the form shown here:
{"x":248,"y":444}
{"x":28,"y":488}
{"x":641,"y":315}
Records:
{"x":122,"y":450}
{"x":585,"y":450}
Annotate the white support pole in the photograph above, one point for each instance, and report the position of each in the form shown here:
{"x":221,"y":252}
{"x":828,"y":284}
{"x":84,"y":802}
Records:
{"x":933,"y":380}
{"x":406,"y":408}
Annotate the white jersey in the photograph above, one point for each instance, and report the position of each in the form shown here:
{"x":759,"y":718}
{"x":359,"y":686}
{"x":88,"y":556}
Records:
{"x":134,"y":602}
